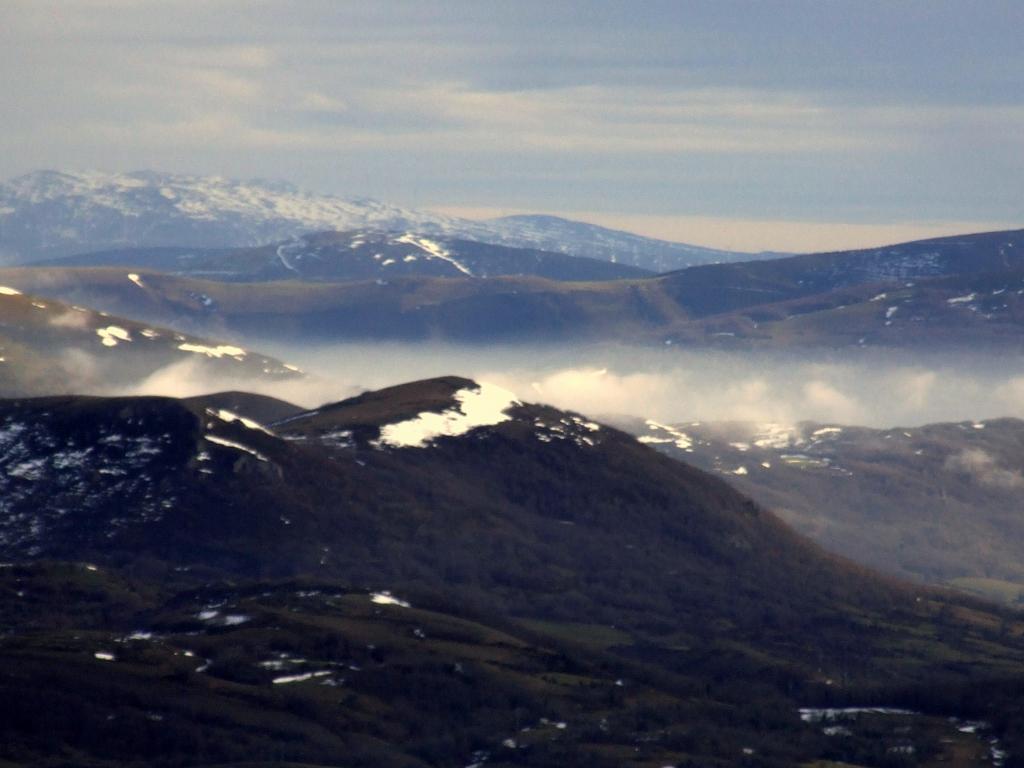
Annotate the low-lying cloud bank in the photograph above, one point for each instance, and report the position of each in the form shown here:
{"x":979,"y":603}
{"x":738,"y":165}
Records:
{"x":870,"y":389}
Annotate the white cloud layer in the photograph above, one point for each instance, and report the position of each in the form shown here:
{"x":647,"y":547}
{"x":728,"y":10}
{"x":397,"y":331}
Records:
{"x":878,"y":390}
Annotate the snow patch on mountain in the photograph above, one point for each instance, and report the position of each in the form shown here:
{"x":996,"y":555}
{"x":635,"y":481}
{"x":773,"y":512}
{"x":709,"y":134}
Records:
{"x":48,"y":214}
{"x":237,"y":446}
{"x":217,"y":352}
{"x":481,"y":406}
{"x":433,"y":250}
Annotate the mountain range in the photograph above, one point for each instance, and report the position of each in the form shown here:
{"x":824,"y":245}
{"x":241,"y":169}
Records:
{"x":439,"y":574}
{"x":959,"y":291}
{"x":48,"y":214}
{"x":356,"y":255}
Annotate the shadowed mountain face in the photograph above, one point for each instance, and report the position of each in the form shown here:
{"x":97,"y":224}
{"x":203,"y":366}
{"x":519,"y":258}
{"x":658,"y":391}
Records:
{"x":49,"y":214}
{"x":50,"y":347}
{"x":721,"y":288}
{"x":323,"y":577}
{"x":938,"y":503}
{"x":965,"y":291}
{"x":358,"y":255}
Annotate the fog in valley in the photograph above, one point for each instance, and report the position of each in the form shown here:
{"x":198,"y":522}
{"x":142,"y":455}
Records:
{"x":862,"y":387}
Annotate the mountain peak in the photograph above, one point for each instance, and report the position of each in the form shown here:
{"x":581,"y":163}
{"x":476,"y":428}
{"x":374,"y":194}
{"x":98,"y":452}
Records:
{"x":50,"y":213}
{"x":411,"y":415}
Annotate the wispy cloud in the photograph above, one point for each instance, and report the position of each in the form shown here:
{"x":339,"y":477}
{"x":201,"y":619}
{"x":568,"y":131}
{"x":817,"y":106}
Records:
{"x":880,"y":113}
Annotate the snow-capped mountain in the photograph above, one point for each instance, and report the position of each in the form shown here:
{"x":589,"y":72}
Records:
{"x":47,"y":214}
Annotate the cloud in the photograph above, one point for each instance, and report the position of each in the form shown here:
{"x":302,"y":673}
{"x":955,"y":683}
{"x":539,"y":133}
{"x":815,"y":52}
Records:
{"x":314,"y":101}
{"x":984,"y":469}
{"x":71,"y":319}
{"x":824,"y":397}
{"x":195,"y":376}
{"x":799,"y":119}
{"x":867,"y":389}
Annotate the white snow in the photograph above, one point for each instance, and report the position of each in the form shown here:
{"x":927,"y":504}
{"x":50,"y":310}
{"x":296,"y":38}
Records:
{"x":680,"y":439}
{"x":238,"y":446}
{"x":5,"y":291}
{"x":136,"y":279}
{"x":813,"y":715}
{"x":284,"y":249}
{"x":386,"y":598}
{"x":433,"y":250}
{"x":775,"y":436}
{"x":962,"y":299}
{"x":482,"y":406}
{"x":104,"y":656}
{"x":112,"y":334}
{"x":229,"y":417}
{"x":300,"y":678}
{"x":219,"y":351}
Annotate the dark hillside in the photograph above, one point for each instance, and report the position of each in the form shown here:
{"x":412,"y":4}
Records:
{"x":556,"y":559}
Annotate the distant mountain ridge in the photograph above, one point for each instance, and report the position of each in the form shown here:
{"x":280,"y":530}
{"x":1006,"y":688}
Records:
{"x":49,"y":214}
{"x":959,"y":292}
{"x":357,"y":255}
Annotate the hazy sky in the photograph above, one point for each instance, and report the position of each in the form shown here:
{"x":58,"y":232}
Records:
{"x":743,"y":124}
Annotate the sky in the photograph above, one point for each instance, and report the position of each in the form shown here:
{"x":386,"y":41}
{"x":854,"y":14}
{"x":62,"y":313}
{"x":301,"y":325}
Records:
{"x":782,"y":125}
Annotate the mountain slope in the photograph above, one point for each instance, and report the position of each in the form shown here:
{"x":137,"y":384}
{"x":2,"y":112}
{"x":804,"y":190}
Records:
{"x":967,"y":311}
{"x":533,"y":512}
{"x":464,"y":309}
{"x":357,"y":255}
{"x":938,"y":503}
{"x":720,"y":288}
{"x":109,"y":669}
{"x":552,"y":233}
{"x":973,"y":298}
{"x":441,"y":529}
{"x":48,"y":347}
{"x":49,"y":214}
